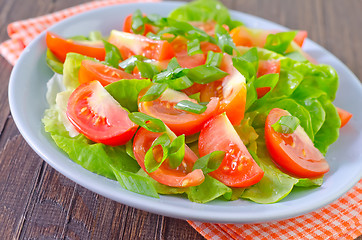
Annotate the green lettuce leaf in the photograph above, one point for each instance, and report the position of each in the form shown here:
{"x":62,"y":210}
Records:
{"x":329,"y":131}
{"x":54,"y":63}
{"x":95,"y":157}
{"x":71,"y":69}
{"x":209,"y":190}
{"x":203,"y":11}
{"x":274,"y":186}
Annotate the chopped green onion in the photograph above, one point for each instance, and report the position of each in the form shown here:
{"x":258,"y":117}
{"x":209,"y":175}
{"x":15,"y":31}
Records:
{"x":193,"y":47}
{"x":213,"y":59}
{"x":224,"y":40}
{"x":147,"y":70}
{"x":205,"y":74}
{"x":251,"y":55}
{"x":113,"y":56}
{"x":279,"y":42}
{"x":209,"y":162}
{"x":154,"y":92}
{"x":151,"y":163}
{"x":173,"y":64}
{"x":247,"y":64}
{"x":251,"y":95}
{"x":176,"y":152}
{"x":268,"y":80}
{"x":195,"y":96}
{"x":135,"y":183}
{"x":180,"y":83}
{"x":174,"y":76}
{"x":156,"y":20}
{"x":130,"y":63}
{"x":150,"y":123}
{"x":138,"y":22}
{"x":189,"y":106}
{"x":286,"y":124}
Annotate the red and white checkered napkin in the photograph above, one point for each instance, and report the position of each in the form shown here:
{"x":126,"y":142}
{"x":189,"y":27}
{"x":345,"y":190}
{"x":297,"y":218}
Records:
{"x":340,"y":220}
{"x":22,"y":32}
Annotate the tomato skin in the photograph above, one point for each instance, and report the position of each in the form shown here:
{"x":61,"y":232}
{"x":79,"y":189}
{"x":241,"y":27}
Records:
{"x":266,"y":67}
{"x":91,"y":70}
{"x":294,"y":153}
{"x":208,"y":27}
{"x":344,"y":116}
{"x":243,"y":36}
{"x":180,"y":122}
{"x":231,"y":90}
{"x":238,"y":168}
{"x":127,"y":26}
{"x":60,"y":47}
{"x":93,"y":112}
{"x":300,"y":37}
{"x":132,"y":44}
{"x":182,"y":176}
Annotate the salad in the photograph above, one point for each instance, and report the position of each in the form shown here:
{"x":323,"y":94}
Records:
{"x":195,"y":104}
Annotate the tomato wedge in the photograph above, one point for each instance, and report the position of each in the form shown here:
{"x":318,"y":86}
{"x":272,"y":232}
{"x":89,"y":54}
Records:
{"x":131,"y":44}
{"x":208,"y":27}
{"x":127,"y":26}
{"x":93,"y":112}
{"x":231,"y":91}
{"x":238,"y":168}
{"x":179,"y":121}
{"x":300,"y":37}
{"x":60,"y":47}
{"x":91,"y":70}
{"x":344,"y":116}
{"x":182,"y":176}
{"x":266,"y":67}
{"x":243,"y":36}
{"x":294,"y":153}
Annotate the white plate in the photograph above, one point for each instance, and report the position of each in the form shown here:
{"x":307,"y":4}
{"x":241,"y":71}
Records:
{"x":27,"y":102}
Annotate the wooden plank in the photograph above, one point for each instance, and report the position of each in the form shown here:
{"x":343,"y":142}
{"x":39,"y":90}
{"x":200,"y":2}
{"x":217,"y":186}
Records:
{"x":20,"y":169}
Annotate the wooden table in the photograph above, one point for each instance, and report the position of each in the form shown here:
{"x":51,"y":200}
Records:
{"x":38,"y":202}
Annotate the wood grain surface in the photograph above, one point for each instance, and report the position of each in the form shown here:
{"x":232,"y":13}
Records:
{"x":36,"y":202}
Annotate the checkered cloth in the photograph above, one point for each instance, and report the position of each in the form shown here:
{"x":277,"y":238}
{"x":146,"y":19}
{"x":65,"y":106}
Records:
{"x":340,"y":220}
{"x":21,"y":33}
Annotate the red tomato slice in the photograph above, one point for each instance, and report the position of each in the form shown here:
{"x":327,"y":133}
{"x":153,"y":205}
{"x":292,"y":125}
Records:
{"x":208,"y":27}
{"x":127,"y":26}
{"x":60,"y":47}
{"x":294,"y":153}
{"x":182,"y":176}
{"x":344,"y":116}
{"x":180,"y":122}
{"x":243,"y":36}
{"x":131,"y":44}
{"x":300,"y":37}
{"x":93,"y":112}
{"x":266,"y":67}
{"x":91,"y":70}
{"x":238,"y":169}
{"x":231,"y":91}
